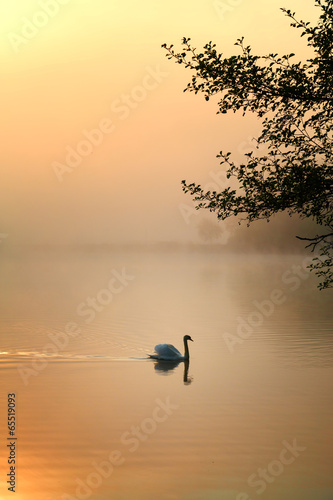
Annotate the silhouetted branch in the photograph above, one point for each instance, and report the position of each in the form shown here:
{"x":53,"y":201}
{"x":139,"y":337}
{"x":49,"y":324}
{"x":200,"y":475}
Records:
{"x":316,"y":240}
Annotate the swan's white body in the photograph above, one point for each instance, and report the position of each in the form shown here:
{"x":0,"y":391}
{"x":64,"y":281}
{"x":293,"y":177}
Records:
{"x":169,"y":353}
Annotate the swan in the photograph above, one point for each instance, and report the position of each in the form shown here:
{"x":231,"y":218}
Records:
{"x":169,"y":353}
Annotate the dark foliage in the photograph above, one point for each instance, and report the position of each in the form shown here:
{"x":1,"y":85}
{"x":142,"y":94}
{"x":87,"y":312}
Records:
{"x":294,"y":102}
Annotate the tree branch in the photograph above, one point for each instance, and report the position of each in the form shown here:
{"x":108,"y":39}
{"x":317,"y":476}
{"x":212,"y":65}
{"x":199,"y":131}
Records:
{"x":316,"y":240}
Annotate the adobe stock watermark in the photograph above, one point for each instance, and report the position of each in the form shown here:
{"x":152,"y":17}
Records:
{"x":263,"y":477}
{"x":131,"y":441}
{"x":223,"y":8}
{"x":121,"y":108}
{"x":89,"y":308}
{"x":48,"y":9}
{"x":265,"y":308}
{"x":92,"y":305}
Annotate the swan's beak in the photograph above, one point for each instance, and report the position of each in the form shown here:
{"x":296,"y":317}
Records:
{"x":191,"y":339}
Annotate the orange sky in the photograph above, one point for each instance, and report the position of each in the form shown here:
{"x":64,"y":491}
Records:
{"x":71,"y":66}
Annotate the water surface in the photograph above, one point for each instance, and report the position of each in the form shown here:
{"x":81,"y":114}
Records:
{"x":250,"y":418}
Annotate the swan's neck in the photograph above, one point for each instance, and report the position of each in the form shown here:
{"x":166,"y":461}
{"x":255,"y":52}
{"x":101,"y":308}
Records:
{"x":186,"y":354}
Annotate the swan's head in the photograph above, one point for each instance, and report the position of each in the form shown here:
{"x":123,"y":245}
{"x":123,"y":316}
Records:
{"x":187,"y":337}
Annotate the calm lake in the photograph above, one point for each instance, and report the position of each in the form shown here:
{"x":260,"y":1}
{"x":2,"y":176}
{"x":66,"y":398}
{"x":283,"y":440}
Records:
{"x":250,"y":418}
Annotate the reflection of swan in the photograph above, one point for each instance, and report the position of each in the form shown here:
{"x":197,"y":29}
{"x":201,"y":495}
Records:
{"x":169,"y":353}
{"x":187,"y":380}
{"x":164,"y":367}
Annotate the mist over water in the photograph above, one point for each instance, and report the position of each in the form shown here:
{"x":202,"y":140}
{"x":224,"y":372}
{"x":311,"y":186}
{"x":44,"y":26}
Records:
{"x":96,"y":415}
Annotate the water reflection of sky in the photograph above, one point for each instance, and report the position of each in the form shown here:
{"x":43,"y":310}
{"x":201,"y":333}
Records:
{"x":197,"y":431}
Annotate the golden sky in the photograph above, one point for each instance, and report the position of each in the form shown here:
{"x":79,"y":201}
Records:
{"x":96,"y":130}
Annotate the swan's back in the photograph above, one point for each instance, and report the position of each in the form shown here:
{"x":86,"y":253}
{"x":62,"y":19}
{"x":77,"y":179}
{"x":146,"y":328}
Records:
{"x":166,"y":351}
